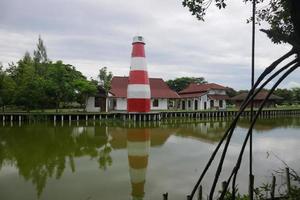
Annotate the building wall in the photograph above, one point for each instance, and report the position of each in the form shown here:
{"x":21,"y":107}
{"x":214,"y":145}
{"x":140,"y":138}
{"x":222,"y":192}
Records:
{"x":162,"y":104}
{"x":121,"y":104}
{"x":216,"y":104}
{"x":221,"y":92}
{"x":202,"y":100}
{"x":200,"y":103}
{"x":90,"y":105}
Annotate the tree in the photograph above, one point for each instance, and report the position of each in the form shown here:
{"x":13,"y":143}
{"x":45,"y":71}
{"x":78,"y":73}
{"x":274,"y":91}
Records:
{"x":286,"y":94}
{"x":84,"y":89}
{"x":105,"y":78}
{"x":7,"y":88}
{"x":60,"y":80}
{"x":40,"y":58}
{"x":231,"y":92}
{"x":40,"y":54}
{"x":296,"y":94}
{"x":179,"y":84}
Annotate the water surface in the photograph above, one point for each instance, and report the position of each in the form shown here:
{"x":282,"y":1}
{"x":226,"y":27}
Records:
{"x":114,"y":160}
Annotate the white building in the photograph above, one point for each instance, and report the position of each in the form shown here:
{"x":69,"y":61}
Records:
{"x":162,"y":96}
{"x":203,"y":96}
{"x":97,"y":103}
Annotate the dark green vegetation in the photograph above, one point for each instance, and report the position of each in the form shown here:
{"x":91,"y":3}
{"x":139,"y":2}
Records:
{"x":105,"y":78}
{"x":179,"y":84}
{"x":35,"y":82}
{"x":50,"y":153}
{"x":287,"y":189}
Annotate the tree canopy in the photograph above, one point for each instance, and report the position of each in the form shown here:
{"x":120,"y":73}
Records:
{"x":179,"y":84}
{"x":105,"y":78}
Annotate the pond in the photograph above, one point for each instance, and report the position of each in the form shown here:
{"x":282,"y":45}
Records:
{"x":117,"y":160}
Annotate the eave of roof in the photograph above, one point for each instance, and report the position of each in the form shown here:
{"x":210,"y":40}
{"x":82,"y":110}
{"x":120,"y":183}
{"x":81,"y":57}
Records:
{"x":218,"y":97}
{"x":192,"y":95}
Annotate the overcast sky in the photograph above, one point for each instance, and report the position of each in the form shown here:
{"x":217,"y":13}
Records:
{"x":90,"y":34}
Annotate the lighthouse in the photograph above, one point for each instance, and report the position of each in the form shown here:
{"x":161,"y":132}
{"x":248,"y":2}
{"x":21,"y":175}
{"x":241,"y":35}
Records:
{"x":138,"y":91}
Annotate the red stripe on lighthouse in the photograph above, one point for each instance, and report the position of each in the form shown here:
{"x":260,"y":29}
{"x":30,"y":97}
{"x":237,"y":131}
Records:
{"x":138,"y":50}
{"x":138,"y":77}
{"x":138,"y":135}
{"x":138,"y":105}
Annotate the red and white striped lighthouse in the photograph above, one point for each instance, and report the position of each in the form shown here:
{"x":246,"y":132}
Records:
{"x":138,"y":91}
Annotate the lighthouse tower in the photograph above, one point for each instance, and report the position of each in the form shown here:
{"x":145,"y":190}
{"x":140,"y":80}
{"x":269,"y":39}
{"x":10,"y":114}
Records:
{"x":138,"y":91}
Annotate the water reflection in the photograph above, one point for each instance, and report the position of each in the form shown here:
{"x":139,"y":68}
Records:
{"x":40,"y":152}
{"x":138,"y":143}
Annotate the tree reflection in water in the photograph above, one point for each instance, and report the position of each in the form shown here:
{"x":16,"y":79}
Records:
{"x":43,"y":152}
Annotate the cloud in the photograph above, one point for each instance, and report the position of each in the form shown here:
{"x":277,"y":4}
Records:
{"x":292,"y":84}
{"x":91,"y":34}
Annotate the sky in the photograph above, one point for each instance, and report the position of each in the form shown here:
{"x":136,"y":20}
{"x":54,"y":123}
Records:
{"x":90,"y":34}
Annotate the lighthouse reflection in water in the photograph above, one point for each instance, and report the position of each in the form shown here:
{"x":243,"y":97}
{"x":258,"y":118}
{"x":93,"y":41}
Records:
{"x":138,"y":144}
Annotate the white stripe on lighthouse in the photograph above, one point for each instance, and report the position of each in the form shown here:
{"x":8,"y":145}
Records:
{"x":138,"y":63}
{"x":138,"y":148}
{"x":137,"y":175}
{"x":138,"y":91}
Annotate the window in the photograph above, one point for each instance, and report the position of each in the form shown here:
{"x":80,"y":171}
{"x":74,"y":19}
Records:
{"x":155,"y":103}
{"x":221,"y":103}
{"x":114,"y":103}
{"x":97,"y":102}
{"x":189,"y":103}
{"x":212,"y":103}
{"x":196,"y":104}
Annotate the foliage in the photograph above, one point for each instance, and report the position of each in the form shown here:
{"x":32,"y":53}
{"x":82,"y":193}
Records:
{"x":179,"y":84}
{"x":231,"y":92}
{"x":40,"y":54}
{"x":36,"y":82}
{"x":84,"y":89}
{"x":105,"y":78}
{"x":7,"y":87}
{"x":286,"y":94}
{"x":40,"y":158}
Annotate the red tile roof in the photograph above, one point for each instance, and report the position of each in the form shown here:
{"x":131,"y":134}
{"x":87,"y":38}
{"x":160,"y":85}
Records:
{"x":159,"y":89}
{"x":260,"y":96}
{"x":196,"y":88}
